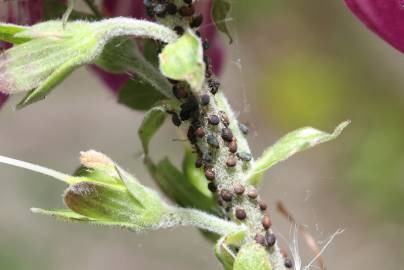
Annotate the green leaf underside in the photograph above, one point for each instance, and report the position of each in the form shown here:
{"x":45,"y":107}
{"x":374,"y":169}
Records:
{"x":252,"y":256}
{"x":292,"y":143}
{"x":70,"y":216}
{"x":139,"y":95}
{"x":220,"y":12}
{"x":183,"y":60}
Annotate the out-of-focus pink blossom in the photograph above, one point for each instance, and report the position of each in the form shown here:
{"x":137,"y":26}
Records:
{"x":384,"y":17}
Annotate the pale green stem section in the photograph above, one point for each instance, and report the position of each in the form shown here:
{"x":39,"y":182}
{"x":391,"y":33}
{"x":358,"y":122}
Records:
{"x":199,"y":219}
{"x":36,"y":168}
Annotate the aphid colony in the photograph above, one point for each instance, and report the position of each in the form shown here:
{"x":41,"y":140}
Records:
{"x":196,"y":109}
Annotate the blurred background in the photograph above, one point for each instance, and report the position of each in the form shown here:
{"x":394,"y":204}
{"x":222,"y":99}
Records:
{"x":293,"y":64}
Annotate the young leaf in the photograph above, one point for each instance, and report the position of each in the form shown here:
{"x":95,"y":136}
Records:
{"x":153,"y":120}
{"x":139,"y":95}
{"x":54,"y":51}
{"x":220,"y":12}
{"x":252,"y":256}
{"x":225,"y":248}
{"x":183,"y":60}
{"x":8,"y":31}
{"x":289,"y":145}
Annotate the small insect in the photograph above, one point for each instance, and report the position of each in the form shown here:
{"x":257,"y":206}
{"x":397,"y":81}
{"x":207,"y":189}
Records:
{"x":252,"y":194}
{"x":241,"y":214}
{"x":226,"y":195}
{"x":212,"y":187}
{"x":199,"y":132}
{"x":207,"y":157}
{"x":227,"y":134}
{"x":176,"y":120}
{"x":196,"y":21}
{"x":233,"y":146}
{"x":288,"y":263}
{"x":205,"y":100}
{"x":239,"y":189}
{"x":260,"y":239}
{"x":263,"y":205}
{"x":180,"y":91}
{"x":189,"y":2}
{"x":171,"y":8}
{"x":266,"y":222}
{"x":160,"y":10}
{"x":212,"y":141}
{"x":213,"y":86}
{"x":243,"y":128}
{"x":244,"y":156}
{"x":198,"y":163}
{"x":231,"y":162}
{"x":179,"y":30}
{"x":205,"y":44}
{"x":214,"y":120}
{"x":271,"y":239}
{"x":187,"y":11}
{"x":210,"y":174}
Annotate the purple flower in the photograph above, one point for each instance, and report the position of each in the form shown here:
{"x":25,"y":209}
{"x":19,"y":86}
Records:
{"x":384,"y":17}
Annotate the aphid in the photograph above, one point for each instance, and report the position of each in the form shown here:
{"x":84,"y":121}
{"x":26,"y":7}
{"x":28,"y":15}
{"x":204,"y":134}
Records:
{"x":189,"y":2}
{"x":212,"y":187}
{"x":198,"y":163}
{"x":227,"y":134}
{"x":171,"y":8}
{"x":243,"y":128}
{"x":207,"y":158}
{"x":266,"y":222}
{"x":288,"y":263}
{"x":271,"y":239}
{"x":210,"y":174}
{"x":180,"y":91}
{"x":199,"y":132}
{"x":196,"y":21}
{"x":191,"y":135}
{"x":186,"y":11}
{"x":241,"y":214}
{"x":231,"y":162}
{"x":179,"y":30}
{"x":214,"y":120}
{"x":263,"y":205}
{"x":213,"y":86}
{"x":176,"y":120}
{"x":160,"y":10}
{"x":244,"y":156}
{"x":233,"y":146}
{"x":205,"y":99}
{"x":225,"y":118}
{"x":212,"y":141}
{"x":239,"y":189}
{"x":252,"y":194}
{"x":226,"y":195}
{"x":260,"y":239}
{"x":198,"y":33}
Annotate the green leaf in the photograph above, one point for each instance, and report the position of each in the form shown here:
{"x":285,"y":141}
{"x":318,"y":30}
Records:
{"x":7,"y":32}
{"x":179,"y":189}
{"x":183,"y":60}
{"x":70,"y":216}
{"x":289,"y":145}
{"x":139,"y":95}
{"x":153,"y":120}
{"x":252,"y":256}
{"x":52,"y":51}
{"x":95,"y":175}
{"x":227,"y":246}
{"x":220,"y":12}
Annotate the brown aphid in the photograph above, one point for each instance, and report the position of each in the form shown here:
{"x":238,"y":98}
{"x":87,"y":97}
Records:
{"x":231,"y":162}
{"x":210,"y":174}
{"x":227,"y":134}
{"x":198,"y":163}
{"x":252,"y":194}
{"x":214,"y":120}
{"x":263,"y":205}
{"x":199,"y":132}
{"x":266,"y":222}
{"x":233,"y":146}
{"x":226,"y":195}
{"x":288,"y":263}
{"x":271,"y":239}
{"x":241,"y":214}
{"x":180,"y":91}
{"x":239,"y":189}
{"x":187,"y":11}
{"x":260,"y":239}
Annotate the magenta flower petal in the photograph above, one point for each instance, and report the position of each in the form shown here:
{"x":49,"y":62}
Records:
{"x":384,"y":17}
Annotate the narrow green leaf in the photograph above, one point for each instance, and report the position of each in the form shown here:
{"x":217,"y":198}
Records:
{"x":252,"y":256}
{"x":220,"y":12}
{"x":183,"y":60}
{"x":7,"y":32}
{"x":70,"y":216}
{"x":289,"y":145}
{"x":139,"y":95}
{"x":153,"y":120}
